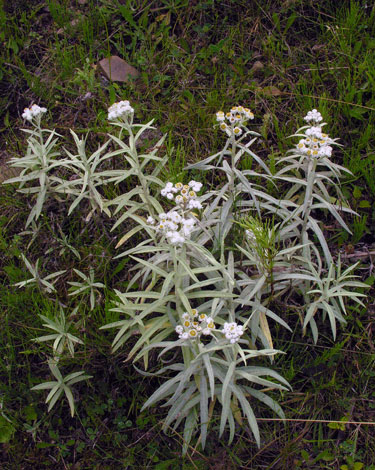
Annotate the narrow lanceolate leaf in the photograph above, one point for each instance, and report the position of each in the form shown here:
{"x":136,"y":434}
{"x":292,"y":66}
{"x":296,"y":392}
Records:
{"x":160,"y":392}
{"x":177,"y":406}
{"x":69,"y":396}
{"x":190,"y":425}
{"x":248,"y":411}
{"x":204,"y":409}
{"x":210,"y":373}
{"x":184,"y":300}
{"x":228,"y":379}
{"x":54,"y":399}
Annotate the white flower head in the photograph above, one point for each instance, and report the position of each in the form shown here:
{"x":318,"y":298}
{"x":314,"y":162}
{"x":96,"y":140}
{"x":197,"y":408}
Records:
{"x":194,"y":204}
{"x":233,"y":123}
{"x":195,"y":185}
{"x":34,"y":111}
{"x":220,"y":116}
{"x":232,"y":331}
{"x":120,"y":109}
{"x":314,"y":132}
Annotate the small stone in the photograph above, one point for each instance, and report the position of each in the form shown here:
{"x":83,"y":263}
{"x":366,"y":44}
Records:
{"x":257,"y":67}
{"x":117,"y":70}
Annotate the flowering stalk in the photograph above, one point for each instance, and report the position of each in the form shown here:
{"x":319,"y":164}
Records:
{"x":37,"y":163}
{"x":233,"y":123}
{"x":122,"y":114}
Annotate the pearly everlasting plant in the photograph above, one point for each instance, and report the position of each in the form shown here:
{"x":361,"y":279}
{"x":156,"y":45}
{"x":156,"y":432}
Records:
{"x":215,"y":303}
{"x":39,"y":163}
{"x":213,"y":268}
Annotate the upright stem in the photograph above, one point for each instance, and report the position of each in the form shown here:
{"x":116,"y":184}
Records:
{"x":310,"y":177}
{"x":178,"y":284}
{"x":140,"y":175}
{"x":177,"y":281}
{"x":233,"y":154}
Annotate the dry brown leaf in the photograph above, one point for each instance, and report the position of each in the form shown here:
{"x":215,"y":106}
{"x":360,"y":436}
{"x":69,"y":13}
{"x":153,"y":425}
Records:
{"x":117,"y":70}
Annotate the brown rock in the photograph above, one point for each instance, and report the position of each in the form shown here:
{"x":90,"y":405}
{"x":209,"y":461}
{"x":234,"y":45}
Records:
{"x":257,"y":67}
{"x":117,"y":70}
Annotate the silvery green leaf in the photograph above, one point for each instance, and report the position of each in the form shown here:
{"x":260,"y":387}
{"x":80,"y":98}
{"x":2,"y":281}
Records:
{"x":228,"y":380}
{"x":226,"y":411}
{"x":209,"y":370}
{"x":161,"y":391}
{"x":207,"y":282}
{"x":120,"y":339}
{"x":203,"y":409}
{"x":152,"y":326}
{"x":184,"y":299}
{"x":312,"y":223}
{"x":312,"y":309}
{"x":53,"y":275}
{"x":256,"y":158}
{"x":332,"y":209}
{"x":45,"y":338}
{"x":259,"y":371}
{"x":178,"y":405}
{"x":210,"y":293}
{"x":257,"y":380}
{"x":53,"y":396}
{"x":69,"y":396}
{"x":266,"y":400}
{"x":190,"y":425}
{"x":201,"y":165}
{"x":44,"y":386}
{"x":248,"y":412}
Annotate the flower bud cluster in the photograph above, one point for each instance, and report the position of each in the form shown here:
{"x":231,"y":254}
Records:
{"x":185,"y":196}
{"x":173,"y":226}
{"x":232,"y":331}
{"x":195,"y":325}
{"x":120,"y":109}
{"x":313,"y":116}
{"x":33,"y":111}
{"x":316,"y":143}
{"x":236,"y":119}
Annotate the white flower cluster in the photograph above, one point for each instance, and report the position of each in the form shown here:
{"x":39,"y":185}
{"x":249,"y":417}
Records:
{"x":314,"y":116}
{"x":236,"y":118}
{"x":175,"y":227}
{"x":195,"y":325}
{"x":316,"y":144}
{"x":184,"y":195}
{"x":32,"y":112}
{"x":120,"y":109}
{"x":232,"y":331}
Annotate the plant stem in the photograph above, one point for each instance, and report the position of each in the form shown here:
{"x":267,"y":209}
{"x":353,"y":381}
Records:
{"x":140,"y":175}
{"x":308,"y":200}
